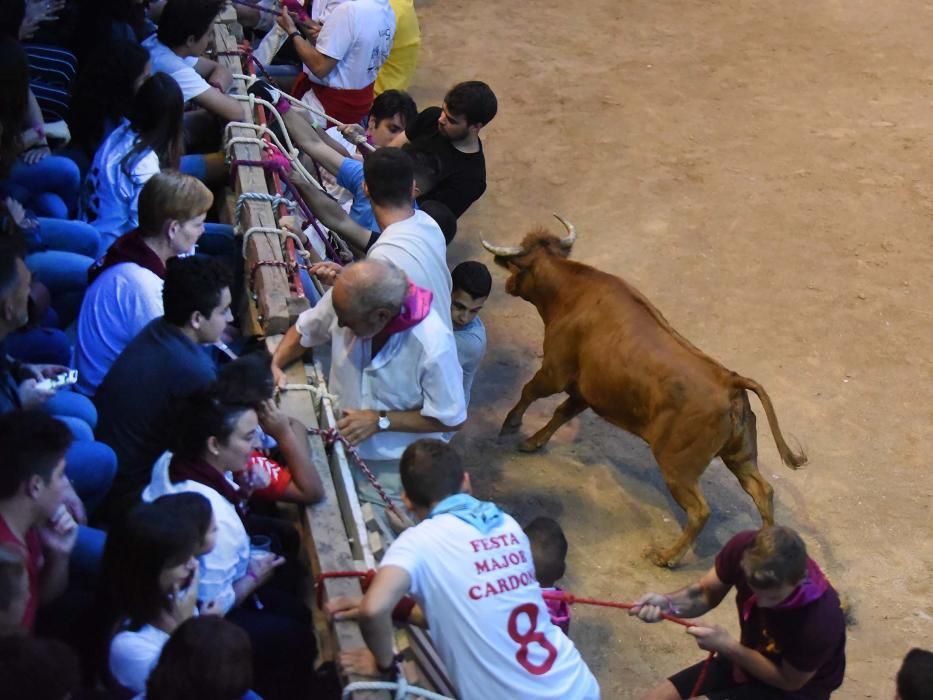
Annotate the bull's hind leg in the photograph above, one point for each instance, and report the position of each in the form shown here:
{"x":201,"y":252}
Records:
{"x":681,"y":473}
{"x":547,"y":381}
{"x":572,"y":407}
{"x":740,"y":455}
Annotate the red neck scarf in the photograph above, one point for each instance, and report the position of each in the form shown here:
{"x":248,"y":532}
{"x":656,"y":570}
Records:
{"x":130,"y":247}
{"x":202,"y":472}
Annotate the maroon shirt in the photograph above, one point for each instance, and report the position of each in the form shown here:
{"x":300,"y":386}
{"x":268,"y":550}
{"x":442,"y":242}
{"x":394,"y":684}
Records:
{"x":31,"y":551}
{"x":809,"y":638}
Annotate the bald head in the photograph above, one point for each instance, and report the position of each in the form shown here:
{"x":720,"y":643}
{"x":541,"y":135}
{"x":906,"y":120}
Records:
{"x":368,"y":294}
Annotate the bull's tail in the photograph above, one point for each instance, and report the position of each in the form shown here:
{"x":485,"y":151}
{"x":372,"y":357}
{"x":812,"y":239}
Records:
{"x":794,"y":461}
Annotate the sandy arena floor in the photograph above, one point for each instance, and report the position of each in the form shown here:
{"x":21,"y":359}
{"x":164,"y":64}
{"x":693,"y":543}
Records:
{"x":762,"y":172}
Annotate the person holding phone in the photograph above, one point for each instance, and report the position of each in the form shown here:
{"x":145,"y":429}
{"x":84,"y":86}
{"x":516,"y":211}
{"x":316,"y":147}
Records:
{"x":150,"y":586}
{"x":213,"y":439}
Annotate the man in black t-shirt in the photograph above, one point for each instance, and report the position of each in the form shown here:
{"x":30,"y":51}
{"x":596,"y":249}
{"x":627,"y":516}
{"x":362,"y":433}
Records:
{"x":452,"y":132}
{"x":793,"y":634}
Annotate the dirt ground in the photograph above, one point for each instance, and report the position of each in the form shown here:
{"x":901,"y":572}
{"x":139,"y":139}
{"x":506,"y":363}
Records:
{"x":761,"y":171}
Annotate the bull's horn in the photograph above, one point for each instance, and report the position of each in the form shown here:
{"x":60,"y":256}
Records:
{"x":571,"y":236}
{"x":501,"y":250}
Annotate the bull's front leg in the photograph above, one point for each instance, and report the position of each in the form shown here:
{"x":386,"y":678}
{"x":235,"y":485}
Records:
{"x":546,"y":382}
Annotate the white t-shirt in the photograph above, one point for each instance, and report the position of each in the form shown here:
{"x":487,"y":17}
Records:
{"x":416,"y":369}
{"x":471,"y":346}
{"x":110,"y":196}
{"x":359,"y":36}
{"x":164,"y":60}
{"x":228,"y":560}
{"x":117,"y":306}
{"x":417,"y":246}
{"x":486,"y":614}
{"x":133,"y":655}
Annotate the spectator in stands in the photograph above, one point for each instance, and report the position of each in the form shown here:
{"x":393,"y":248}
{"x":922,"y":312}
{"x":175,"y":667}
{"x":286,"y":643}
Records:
{"x":391,"y":112}
{"x":452,"y":132}
{"x":443,"y":563}
{"x":471,"y":286}
{"x":37,"y":669}
{"x":206,"y":658}
{"x":91,"y":464}
{"x":165,"y":362}
{"x":249,"y":380}
{"x":399,"y":69}
{"x":34,"y":518}
{"x":126,"y":287}
{"x":14,"y":589}
{"x":549,"y":553}
{"x":915,"y":678}
{"x":60,"y":251}
{"x":349,"y":171}
{"x":382,"y":327}
{"x":150,"y":586}
{"x":177,"y":49}
{"x":149,"y":141}
{"x":793,"y":629}
{"x":343,"y":56}
{"x":104,"y":95}
{"x":212,"y":440}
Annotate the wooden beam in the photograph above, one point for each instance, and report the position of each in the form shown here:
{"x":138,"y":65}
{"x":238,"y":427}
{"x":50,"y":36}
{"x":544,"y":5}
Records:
{"x":326,"y":538}
{"x":269,"y":284}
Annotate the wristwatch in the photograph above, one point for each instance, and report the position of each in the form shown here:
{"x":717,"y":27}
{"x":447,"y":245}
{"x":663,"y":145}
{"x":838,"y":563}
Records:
{"x":384,"y":421}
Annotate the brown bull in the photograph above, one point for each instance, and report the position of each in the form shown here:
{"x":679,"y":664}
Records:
{"x":611,"y":350}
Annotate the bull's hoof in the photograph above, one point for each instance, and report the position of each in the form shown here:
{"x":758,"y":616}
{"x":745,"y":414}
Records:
{"x":660,"y":557}
{"x":529,"y":446}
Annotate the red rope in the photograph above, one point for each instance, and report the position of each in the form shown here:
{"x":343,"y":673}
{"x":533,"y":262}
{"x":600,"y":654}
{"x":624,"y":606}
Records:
{"x":570,"y":599}
{"x":331,"y":436}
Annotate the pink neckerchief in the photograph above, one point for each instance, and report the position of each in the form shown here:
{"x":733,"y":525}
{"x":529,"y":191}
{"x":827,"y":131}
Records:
{"x":812,"y":588}
{"x":415,"y":308}
{"x":558,"y":610}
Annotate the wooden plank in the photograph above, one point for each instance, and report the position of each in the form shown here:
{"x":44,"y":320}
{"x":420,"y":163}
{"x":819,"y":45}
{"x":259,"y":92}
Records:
{"x":326,"y":537}
{"x":342,"y":476}
{"x":269,"y":284}
{"x":228,"y":17}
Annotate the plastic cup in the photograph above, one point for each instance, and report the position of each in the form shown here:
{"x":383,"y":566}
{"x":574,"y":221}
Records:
{"x":260,"y":546}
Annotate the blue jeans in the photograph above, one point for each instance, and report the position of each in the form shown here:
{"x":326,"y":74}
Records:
{"x":90,"y":466}
{"x":70,"y":404}
{"x":49,"y":187}
{"x":68,"y":236}
{"x":65,"y":274}
{"x":39,"y":346}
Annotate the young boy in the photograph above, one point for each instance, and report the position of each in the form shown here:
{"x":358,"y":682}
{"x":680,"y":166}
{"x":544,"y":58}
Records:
{"x":549,"y":553}
{"x":471,"y":285}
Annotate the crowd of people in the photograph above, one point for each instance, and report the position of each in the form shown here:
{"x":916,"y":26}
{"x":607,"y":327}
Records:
{"x":143,"y":452}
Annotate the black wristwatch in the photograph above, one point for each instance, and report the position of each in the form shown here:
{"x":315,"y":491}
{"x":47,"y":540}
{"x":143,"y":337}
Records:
{"x":294,"y":34}
{"x":392,"y":670}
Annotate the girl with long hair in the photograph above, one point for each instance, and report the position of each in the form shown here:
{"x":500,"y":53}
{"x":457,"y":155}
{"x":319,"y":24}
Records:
{"x":149,"y":141}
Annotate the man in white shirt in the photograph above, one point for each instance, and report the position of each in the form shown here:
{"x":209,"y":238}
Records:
{"x":469,"y":567}
{"x":342,"y":56}
{"x":410,"y":240}
{"x":125,"y":292}
{"x":177,"y":48}
{"x":394,"y":364}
